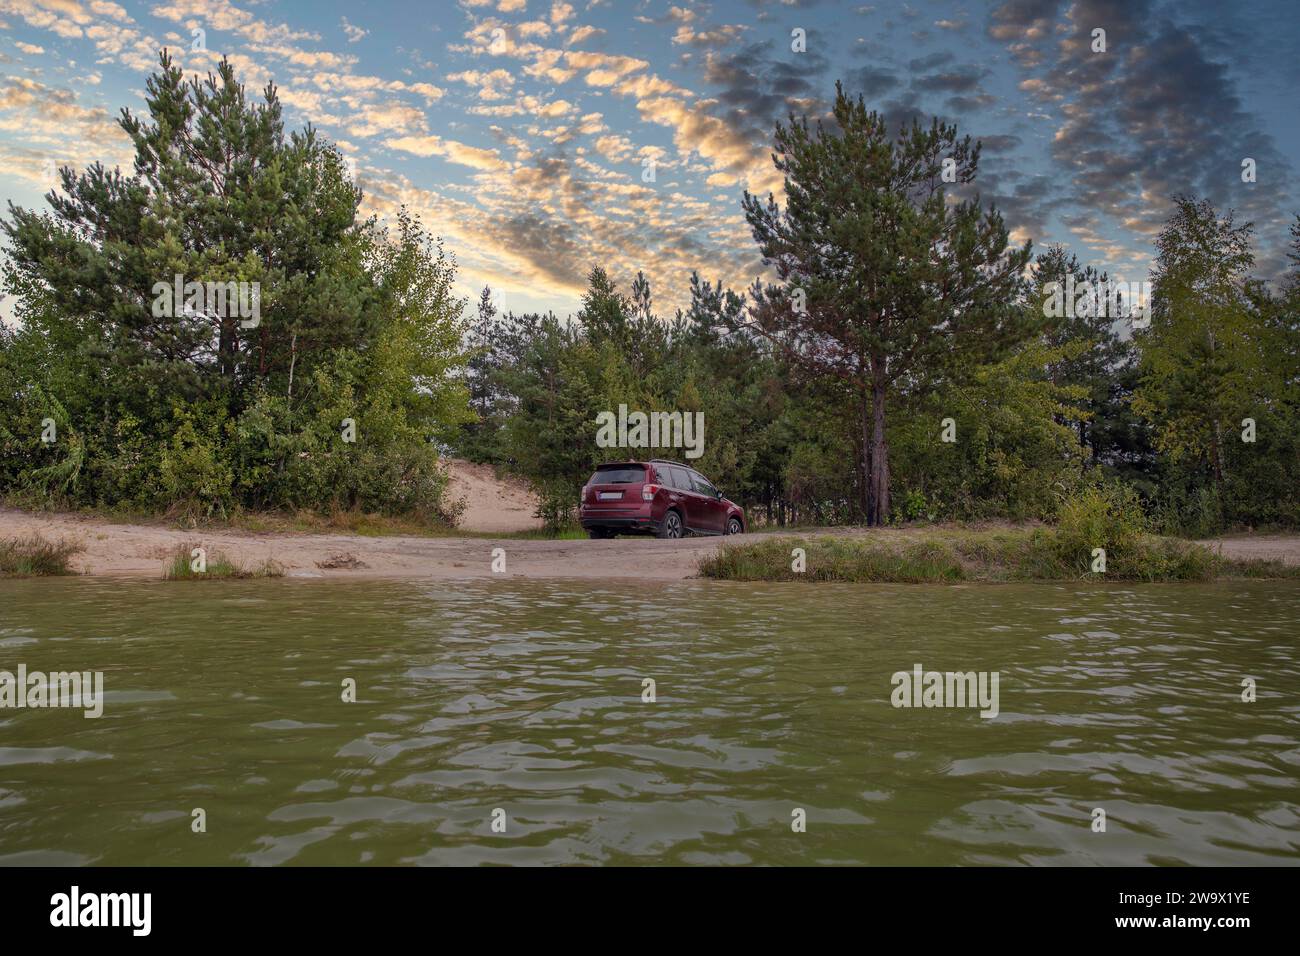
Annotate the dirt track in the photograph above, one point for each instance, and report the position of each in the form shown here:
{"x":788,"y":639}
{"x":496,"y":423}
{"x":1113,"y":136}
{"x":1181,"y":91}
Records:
{"x":1272,"y":546}
{"x":488,"y":502}
{"x":140,"y":551}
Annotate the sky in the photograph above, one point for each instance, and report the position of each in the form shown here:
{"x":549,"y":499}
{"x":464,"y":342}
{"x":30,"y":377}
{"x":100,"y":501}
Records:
{"x":541,"y":138}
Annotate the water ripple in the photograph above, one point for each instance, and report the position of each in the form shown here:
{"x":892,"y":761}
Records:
{"x":522,"y":703}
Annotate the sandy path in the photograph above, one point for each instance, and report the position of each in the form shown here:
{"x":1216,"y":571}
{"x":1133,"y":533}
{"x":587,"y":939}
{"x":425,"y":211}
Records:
{"x":141,"y":550}
{"x":492,"y":504}
{"x":1280,"y":547}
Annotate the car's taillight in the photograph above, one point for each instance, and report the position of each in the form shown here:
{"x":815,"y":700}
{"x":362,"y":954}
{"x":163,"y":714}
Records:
{"x":648,"y":492}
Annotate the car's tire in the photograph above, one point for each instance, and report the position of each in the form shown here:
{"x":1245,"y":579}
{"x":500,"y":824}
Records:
{"x":599,"y":534}
{"x":734,"y":526}
{"x":671,"y":527}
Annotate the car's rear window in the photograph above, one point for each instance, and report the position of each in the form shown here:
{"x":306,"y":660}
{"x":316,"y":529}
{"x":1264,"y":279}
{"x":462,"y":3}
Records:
{"x":674,"y":478}
{"x":618,"y":475}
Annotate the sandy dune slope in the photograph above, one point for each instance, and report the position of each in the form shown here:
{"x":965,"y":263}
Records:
{"x":491,"y":504}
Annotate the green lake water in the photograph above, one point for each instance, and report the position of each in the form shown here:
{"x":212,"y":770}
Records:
{"x":526,"y":697}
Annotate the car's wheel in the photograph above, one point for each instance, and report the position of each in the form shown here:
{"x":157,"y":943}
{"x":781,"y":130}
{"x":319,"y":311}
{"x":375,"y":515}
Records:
{"x":672,"y":526}
{"x":599,"y":533}
{"x":734,"y":526}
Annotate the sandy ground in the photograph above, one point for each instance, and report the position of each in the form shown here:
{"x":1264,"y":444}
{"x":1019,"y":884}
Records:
{"x":140,"y":551}
{"x":1280,"y":547}
{"x":491,"y":504}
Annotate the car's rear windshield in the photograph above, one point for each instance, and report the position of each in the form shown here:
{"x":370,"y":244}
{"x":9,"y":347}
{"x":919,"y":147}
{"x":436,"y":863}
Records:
{"x":619,"y":475}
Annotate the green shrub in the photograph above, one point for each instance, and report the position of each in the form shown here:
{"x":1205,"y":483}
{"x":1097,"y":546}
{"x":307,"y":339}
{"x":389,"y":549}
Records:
{"x":194,"y":473}
{"x":33,"y":555}
{"x":557,"y":505}
{"x":1107,"y":515}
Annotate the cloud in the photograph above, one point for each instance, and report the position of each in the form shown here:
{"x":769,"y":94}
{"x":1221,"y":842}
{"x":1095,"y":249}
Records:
{"x":696,"y":130}
{"x":921,"y":64}
{"x":711,"y":37}
{"x":561,"y":12}
{"x":870,"y":82}
{"x":603,"y":69}
{"x":962,"y":80}
{"x":364,"y":85}
{"x":354,"y":33}
{"x":1154,"y":115}
{"x":452,"y":151}
{"x":393,"y":116}
{"x":492,"y":84}
{"x":584,"y":33}
{"x":51,"y":125}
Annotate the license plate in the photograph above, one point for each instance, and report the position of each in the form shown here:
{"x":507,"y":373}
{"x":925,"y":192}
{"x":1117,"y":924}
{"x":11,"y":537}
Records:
{"x":611,"y":496}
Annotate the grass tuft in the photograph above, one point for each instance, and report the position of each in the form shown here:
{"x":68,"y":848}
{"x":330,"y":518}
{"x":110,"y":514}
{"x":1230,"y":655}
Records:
{"x":180,"y":566}
{"x":34,"y":556}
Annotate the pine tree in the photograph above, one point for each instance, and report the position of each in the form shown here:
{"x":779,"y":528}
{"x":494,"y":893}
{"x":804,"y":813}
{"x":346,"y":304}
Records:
{"x":1105,"y":355}
{"x":219,"y":194}
{"x":479,"y":439}
{"x":604,"y":313}
{"x":196,"y":405}
{"x":884,"y":281}
{"x":641,"y":297}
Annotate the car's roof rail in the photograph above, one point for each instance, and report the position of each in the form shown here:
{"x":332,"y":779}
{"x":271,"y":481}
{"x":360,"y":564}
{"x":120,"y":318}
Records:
{"x":669,"y":461}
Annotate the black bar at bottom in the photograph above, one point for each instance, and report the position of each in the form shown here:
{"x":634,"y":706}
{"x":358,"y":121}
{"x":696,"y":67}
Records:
{"x":491,"y":905}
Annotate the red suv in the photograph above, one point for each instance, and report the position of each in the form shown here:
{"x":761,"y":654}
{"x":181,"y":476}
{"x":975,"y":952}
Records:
{"x":665,"y":498}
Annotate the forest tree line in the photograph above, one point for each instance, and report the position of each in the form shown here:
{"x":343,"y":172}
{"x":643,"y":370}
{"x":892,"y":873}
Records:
{"x":1082,"y":403}
{"x":899,"y":317}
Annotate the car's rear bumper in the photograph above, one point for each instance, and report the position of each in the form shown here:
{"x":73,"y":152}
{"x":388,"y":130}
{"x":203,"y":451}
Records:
{"x":639,"y":517}
{"x":642,"y":524}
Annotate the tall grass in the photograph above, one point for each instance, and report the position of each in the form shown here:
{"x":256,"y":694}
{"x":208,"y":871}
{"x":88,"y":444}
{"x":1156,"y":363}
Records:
{"x":834,"y":559}
{"x":180,"y":566}
{"x":33,"y":556}
{"x":1039,"y":554}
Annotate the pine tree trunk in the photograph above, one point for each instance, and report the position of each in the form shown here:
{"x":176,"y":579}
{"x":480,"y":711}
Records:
{"x":865,"y":418}
{"x":878,"y":489}
{"x":1218,"y":457}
